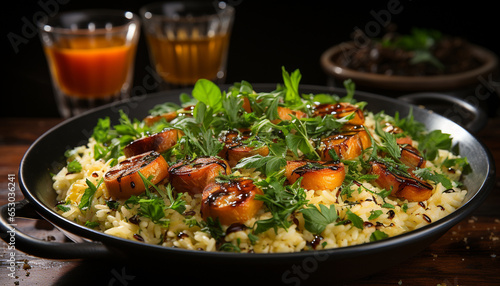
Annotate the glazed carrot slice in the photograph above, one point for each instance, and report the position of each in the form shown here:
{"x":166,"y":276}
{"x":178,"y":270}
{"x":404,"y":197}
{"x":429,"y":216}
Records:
{"x":391,"y":128}
{"x":192,"y":176}
{"x":316,"y":175}
{"x":235,"y":149}
{"x":411,"y":157}
{"x":159,"y":142}
{"x":246,"y":104}
{"x":231,"y":201}
{"x":364,"y":137}
{"x":285,"y":113}
{"x":348,"y":144}
{"x":404,"y":140}
{"x":152,"y":119}
{"x":123,"y":180}
{"x":409,"y":188}
{"x":339,"y":110}
{"x":169,"y":116}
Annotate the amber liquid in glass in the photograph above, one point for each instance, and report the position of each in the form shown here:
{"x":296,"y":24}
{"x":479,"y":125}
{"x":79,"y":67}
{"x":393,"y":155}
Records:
{"x":87,"y":68}
{"x":183,"y":61}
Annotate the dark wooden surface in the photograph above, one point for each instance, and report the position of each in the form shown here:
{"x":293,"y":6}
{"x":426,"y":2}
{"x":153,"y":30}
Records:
{"x":465,"y":255}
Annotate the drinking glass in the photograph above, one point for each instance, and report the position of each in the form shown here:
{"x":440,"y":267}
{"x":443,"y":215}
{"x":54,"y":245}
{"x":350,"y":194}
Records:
{"x":188,"y":40}
{"x":91,"y":56}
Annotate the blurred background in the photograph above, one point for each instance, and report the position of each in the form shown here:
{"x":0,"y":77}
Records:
{"x":266,"y":36}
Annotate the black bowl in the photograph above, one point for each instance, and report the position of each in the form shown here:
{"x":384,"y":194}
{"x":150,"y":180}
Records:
{"x":342,"y":264}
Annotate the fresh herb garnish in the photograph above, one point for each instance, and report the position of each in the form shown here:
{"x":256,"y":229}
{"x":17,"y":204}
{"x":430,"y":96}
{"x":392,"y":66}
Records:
{"x":64,"y":208}
{"x":214,"y":228}
{"x":91,"y":224}
{"x":281,"y":200}
{"x":152,"y":204}
{"x":429,"y":142}
{"x":427,"y":174}
{"x":88,"y":195}
{"x":375,"y":214}
{"x":291,"y":81}
{"x":355,"y":219}
{"x":378,"y":235}
{"x":74,"y":167}
{"x":316,"y":219}
{"x":209,"y":93}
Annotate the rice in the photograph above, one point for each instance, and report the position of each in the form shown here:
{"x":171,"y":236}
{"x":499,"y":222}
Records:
{"x":395,"y":217}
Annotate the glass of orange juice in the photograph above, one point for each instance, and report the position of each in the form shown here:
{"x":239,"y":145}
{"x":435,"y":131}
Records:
{"x":91,"y":57}
{"x":188,"y":40}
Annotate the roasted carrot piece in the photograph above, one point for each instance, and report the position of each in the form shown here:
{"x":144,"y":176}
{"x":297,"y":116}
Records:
{"x":316,"y":175}
{"x":169,"y":116}
{"x":411,"y":157}
{"x":159,"y":142}
{"x":391,"y":128}
{"x":235,"y":149}
{"x":348,"y":144}
{"x":192,"y":176}
{"x":285,"y":113}
{"x":409,"y":188}
{"x":152,"y":119}
{"x":246,"y":104}
{"x":231,"y":201}
{"x":339,"y":110}
{"x":364,"y":137}
{"x":123,"y":180}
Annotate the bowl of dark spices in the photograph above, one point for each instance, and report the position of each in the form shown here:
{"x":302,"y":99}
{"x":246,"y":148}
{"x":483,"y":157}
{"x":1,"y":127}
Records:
{"x":421,"y":60}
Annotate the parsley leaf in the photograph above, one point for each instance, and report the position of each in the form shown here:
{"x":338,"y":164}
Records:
{"x":432,"y":142}
{"x":267,"y":165}
{"x":355,"y":219}
{"x":177,"y":204}
{"x":460,"y":163}
{"x":163,"y":108}
{"x":316,"y":219}
{"x":300,"y":140}
{"x":214,"y":228}
{"x":209,"y":93}
{"x":153,"y":206}
{"x":64,"y":208}
{"x":378,"y":235}
{"x":427,"y":174}
{"x":409,"y":126}
{"x":350,"y":88}
{"x":389,"y":142}
{"x":91,"y":224}
{"x":282,"y":200}
{"x":375,"y":214}
{"x":291,"y":81}
{"x":429,"y":142}
{"x":102,"y":130}
{"x":74,"y":167}
{"x":88,"y":194}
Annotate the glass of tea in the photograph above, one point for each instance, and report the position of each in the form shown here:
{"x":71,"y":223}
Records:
{"x":90,"y":56}
{"x":188,"y":40}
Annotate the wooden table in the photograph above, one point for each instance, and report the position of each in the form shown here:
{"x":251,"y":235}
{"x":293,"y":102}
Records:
{"x":465,"y":255}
